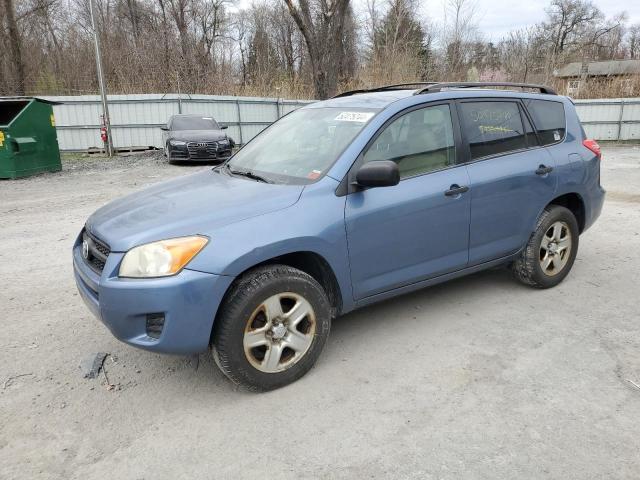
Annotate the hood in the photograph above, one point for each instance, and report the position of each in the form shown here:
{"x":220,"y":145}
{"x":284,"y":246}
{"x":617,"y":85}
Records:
{"x":189,"y":205}
{"x":197,"y":135}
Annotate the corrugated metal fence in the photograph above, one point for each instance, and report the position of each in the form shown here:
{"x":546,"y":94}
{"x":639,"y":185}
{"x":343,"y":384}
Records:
{"x":610,"y":119}
{"x":136,"y":119}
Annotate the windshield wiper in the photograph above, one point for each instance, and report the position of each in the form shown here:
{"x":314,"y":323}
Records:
{"x":247,"y":173}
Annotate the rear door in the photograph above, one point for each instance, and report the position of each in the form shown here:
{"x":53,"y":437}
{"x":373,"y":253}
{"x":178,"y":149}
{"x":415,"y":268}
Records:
{"x":512,"y":176}
{"x":419,"y":228}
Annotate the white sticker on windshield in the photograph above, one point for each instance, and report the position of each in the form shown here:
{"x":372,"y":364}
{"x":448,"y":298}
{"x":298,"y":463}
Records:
{"x":556,"y":135}
{"x":360,"y":117}
{"x":207,"y":118}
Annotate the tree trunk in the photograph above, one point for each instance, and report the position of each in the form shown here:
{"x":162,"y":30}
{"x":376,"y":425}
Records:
{"x":15,"y":47}
{"x":323,"y":40}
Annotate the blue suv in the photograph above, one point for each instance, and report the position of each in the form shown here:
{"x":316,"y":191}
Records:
{"x":338,"y":205}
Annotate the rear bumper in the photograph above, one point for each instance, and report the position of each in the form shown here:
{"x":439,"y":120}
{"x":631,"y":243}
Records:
{"x":596,"y":201}
{"x":188,"y":301}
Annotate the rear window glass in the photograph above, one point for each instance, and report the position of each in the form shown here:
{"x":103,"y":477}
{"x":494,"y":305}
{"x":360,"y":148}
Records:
{"x":492,"y":127}
{"x":548,"y":118}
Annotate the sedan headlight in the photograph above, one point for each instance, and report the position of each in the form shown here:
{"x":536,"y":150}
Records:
{"x":161,"y":259}
{"x":177,"y":143}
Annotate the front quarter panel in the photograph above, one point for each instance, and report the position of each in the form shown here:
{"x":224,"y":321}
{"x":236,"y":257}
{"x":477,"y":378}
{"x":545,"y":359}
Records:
{"x":314,"y":224}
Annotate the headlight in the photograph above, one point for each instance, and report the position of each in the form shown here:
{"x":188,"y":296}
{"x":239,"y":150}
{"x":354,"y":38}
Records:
{"x":177,"y":143}
{"x":160,"y":259}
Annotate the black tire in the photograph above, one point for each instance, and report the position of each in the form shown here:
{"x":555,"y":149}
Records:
{"x":527,"y":267}
{"x":167,"y":154}
{"x":239,"y":306}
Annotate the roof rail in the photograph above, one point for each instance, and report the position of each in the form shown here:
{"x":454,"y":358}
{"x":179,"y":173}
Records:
{"x":395,"y":86}
{"x":438,"y":87}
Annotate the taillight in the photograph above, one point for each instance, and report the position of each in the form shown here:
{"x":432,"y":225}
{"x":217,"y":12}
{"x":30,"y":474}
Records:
{"x":593,"y":146}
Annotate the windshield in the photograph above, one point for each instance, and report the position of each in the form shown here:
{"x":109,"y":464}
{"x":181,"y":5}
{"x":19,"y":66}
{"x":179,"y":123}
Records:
{"x":302,"y":146}
{"x":194,"y":123}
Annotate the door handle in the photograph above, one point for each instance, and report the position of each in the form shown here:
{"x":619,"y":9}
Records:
{"x":543,"y":170}
{"x":456,"y":189}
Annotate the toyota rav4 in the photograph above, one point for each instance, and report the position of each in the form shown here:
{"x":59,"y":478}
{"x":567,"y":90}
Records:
{"x":337,"y":205}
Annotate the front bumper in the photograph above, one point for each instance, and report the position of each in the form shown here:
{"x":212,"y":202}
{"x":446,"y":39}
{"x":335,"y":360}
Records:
{"x":189,"y":302}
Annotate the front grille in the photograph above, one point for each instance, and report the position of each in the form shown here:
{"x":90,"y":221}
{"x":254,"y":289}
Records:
{"x":95,"y":253}
{"x":210,"y":150}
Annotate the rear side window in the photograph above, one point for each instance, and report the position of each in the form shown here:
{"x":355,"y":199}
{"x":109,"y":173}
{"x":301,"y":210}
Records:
{"x":492,"y":127}
{"x":548,"y":118}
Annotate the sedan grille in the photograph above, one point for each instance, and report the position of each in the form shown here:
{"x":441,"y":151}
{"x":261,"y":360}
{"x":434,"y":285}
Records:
{"x":95,"y":253}
{"x":211,"y":150}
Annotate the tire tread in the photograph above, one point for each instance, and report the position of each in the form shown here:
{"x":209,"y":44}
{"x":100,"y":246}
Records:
{"x":239,"y":295}
{"x":524,"y":267}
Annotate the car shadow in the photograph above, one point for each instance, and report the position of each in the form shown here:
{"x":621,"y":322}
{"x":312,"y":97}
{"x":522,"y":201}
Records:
{"x":424,"y":301}
{"x":200,"y":376}
{"x":366,"y":325}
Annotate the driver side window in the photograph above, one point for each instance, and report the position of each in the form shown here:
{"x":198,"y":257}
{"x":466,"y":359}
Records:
{"x":420,"y":141}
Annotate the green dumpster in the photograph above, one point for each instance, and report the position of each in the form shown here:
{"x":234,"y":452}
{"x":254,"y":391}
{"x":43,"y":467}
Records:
{"x":28,"y":141}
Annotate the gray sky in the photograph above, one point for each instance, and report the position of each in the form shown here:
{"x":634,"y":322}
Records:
{"x":497,"y":17}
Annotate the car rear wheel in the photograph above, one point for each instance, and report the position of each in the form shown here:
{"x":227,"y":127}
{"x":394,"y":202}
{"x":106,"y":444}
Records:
{"x":551,"y":250}
{"x":271,"y":327}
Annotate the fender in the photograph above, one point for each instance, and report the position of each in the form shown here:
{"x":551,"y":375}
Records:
{"x":315,"y":225}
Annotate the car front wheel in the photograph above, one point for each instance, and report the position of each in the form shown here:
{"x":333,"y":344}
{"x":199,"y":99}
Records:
{"x":271,"y":327}
{"x":551,"y":250}
{"x":167,"y":152}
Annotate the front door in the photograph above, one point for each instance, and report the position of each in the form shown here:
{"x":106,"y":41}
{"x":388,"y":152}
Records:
{"x":419,"y":228}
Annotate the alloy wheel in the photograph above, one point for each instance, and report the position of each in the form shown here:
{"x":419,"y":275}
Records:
{"x":279,"y":332}
{"x":555,"y":248}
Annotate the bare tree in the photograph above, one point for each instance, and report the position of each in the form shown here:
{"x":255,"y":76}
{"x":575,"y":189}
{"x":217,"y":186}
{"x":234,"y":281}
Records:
{"x":321,"y":23}
{"x":460,"y":30}
{"x":398,"y":52}
{"x":519,"y":53}
{"x":633,"y":34}
{"x":566,"y":21}
{"x":290,"y":48}
{"x":15,"y":46}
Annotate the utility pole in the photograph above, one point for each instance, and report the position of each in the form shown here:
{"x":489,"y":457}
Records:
{"x":103,"y":90}
{"x":179,"y":93}
{"x":278,"y":102}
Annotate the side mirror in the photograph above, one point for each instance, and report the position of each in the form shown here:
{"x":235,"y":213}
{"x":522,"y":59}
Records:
{"x":224,"y":127}
{"x":379,"y":173}
{"x":164,"y":128}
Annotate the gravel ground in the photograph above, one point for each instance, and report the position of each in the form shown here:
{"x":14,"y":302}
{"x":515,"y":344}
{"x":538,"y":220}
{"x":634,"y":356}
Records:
{"x":477,"y":378}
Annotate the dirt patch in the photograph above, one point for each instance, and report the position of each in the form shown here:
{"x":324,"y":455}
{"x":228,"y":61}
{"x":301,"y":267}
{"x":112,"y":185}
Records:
{"x":480,"y":377}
